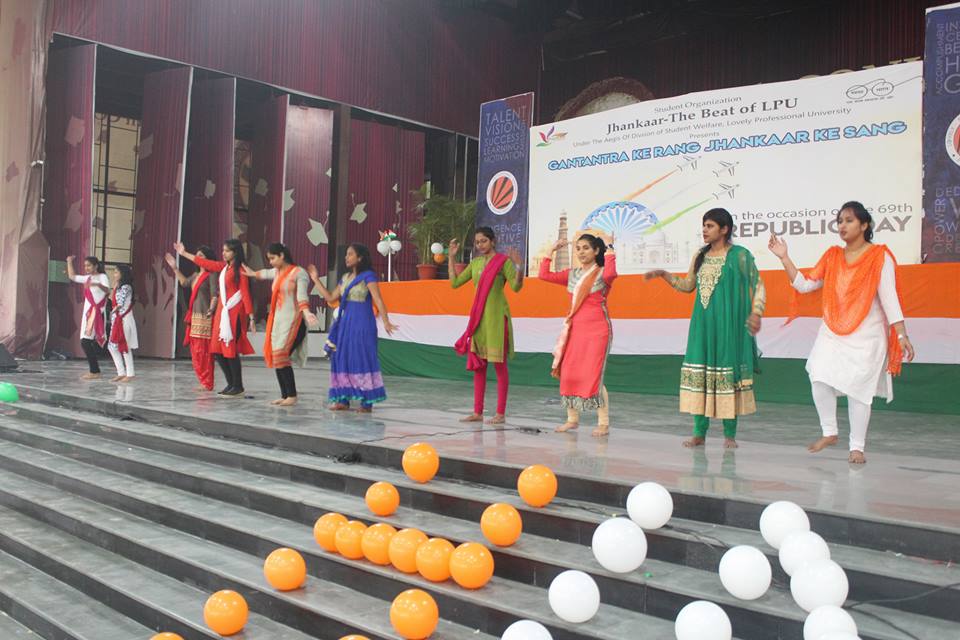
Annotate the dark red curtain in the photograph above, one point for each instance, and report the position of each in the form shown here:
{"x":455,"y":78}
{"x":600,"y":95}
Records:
{"x":159,"y":203}
{"x":307,"y":184}
{"x":386,"y":164}
{"x":408,"y":58}
{"x":68,"y":184}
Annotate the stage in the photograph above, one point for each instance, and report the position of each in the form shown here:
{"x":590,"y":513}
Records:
{"x":894,"y":523}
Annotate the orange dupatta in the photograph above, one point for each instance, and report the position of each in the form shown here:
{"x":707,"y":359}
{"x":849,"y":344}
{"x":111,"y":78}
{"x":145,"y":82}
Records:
{"x":277,"y":287}
{"x":848,"y":293}
{"x":580,"y":293}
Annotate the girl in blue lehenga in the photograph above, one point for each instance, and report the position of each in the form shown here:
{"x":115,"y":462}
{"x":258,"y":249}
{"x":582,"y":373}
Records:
{"x":352,"y":344}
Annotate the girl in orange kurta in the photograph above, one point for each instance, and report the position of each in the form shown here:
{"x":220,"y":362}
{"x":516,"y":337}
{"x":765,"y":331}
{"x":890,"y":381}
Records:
{"x":580,"y":357}
{"x":231,"y":314}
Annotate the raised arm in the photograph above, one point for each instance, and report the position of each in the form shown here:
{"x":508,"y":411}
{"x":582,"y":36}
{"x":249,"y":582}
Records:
{"x":513,"y":270}
{"x":172,"y":263}
{"x":457,"y":280}
{"x":778,"y":246}
{"x":71,"y":273}
{"x":388,"y":326}
{"x":546,"y":274}
{"x":329,"y":296}
{"x":609,"y":258}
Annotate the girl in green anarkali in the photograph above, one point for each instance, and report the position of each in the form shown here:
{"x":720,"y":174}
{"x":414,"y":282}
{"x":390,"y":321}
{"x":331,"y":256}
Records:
{"x":716,"y":378}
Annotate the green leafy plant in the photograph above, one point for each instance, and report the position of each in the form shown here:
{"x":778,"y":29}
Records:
{"x":442,"y":218}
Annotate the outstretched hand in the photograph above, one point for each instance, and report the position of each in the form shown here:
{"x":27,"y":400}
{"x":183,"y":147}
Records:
{"x":656,"y":273}
{"x":313,"y":272}
{"x":454,"y":247}
{"x":247,"y":271}
{"x":179,"y":248}
{"x":170,"y":260}
{"x":514,"y":256}
{"x":777,"y":246}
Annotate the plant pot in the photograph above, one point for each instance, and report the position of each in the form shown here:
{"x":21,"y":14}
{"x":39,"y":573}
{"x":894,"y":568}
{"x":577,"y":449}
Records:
{"x":427,"y":271}
{"x":459,"y":267}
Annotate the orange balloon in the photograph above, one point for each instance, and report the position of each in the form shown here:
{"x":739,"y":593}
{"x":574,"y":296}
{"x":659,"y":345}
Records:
{"x":375,"y":543}
{"x":433,"y":559}
{"x":414,"y":614}
{"x":501,"y":524}
{"x":403,"y":549}
{"x":471,"y":565}
{"x":226,"y":612}
{"x":420,"y":462}
{"x":285,"y":569}
{"x":326,"y":528}
{"x":439,"y":258}
{"x":537,"y":485}
{"x":382,"y":498}
{"x":348,"y":539}
{"x":166,"y":635}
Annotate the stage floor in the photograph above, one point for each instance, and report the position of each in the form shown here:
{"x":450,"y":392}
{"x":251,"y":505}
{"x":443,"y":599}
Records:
{"x":912,"y":473}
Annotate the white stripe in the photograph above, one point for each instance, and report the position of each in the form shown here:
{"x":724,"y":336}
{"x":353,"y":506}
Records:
{"x":935,"y":339}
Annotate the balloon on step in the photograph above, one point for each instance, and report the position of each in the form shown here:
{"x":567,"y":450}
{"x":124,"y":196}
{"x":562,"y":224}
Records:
{"x":166,"y":635}
{"x":780,"y":519}
{"x":537,"y":485}
{"x":403,"y":549}
{"x":421,"y":462}
{"x":285,"y":570}
{"x":382,"y":499}
{"x":800,"y":548}
{"x":526,"y":630}
{"x":501,"y":524}
{"x":375,"y":543}
{"x":325,"y":530}
{"x":819,"y":583}
{"x":828,"y":619}
{"x":574,"y":596}
{"x":226,"y":612}
{"x":414,"y":614}
{"x":619,"y":545}
{"x":8,"y":392}
{"x":649,"y":505}
{"x":433,"y":559}
{"x":745,"y":572}
{"x":348,"y":539}
{"x":702,"y":620}
{"x":471,"y":565}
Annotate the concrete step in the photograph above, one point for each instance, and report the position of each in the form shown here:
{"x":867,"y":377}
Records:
{"x":54,"y":610}
{"x":10,"y":629}
{"x":872,"y":574}
{"x":146,"y":596}
{"x":252,"y":535}
{"x":533,"y":560}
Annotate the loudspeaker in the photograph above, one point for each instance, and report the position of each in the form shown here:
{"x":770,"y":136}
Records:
{"x":7,"y":363}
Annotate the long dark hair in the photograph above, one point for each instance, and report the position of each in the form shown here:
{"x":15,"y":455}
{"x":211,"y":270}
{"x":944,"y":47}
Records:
{"x":126,"y":277}
{"x":861,"y":214}
{"x":95,"y":261}
{"x":238,"y":257}
{"x":597,"y":244}
{"x":206,"y":251}
{"x":280,"y":249}
{"x":364,"y":263}
{"x":723,"y":218}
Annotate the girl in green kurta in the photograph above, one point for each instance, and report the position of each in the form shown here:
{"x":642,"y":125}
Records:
{"x":489,"y":334}
{"x":716,"y":378}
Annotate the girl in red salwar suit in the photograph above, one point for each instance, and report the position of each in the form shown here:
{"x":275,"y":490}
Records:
{"x":231,"y":314}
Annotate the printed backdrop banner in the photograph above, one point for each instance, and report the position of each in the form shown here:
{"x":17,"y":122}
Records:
{"x":780,"y":157}
{"x":503,"y":170}
{"x":941,"y":136}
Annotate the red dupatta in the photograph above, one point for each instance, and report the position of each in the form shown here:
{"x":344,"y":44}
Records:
{"x":117,"y":334}
{"x":96,"y":308}
{"x":487,"y":278}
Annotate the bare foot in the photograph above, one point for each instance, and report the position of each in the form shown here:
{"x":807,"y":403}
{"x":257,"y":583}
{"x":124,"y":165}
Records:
{"x":126,"y":379}
{"x":694,"y":442}
{"x":856,"y":457}
{"x":90,"y":376}
{"x":730,"y":443}
{"x":473,"y":417}
{"x":117,"y":378}
{"x":498,"y":418}
{"x":821,"y":444}
{"x":277,"y":401}
{"x":200,"y":387}
{"x":364,"y":409}
{"x":567,"y":426}
{"x":338,"y":406}
{"x":601,"y":430}
{"x":288,"y":402}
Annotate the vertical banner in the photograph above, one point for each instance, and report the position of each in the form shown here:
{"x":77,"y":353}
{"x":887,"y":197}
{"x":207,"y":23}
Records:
{"x":941,"y":136}
{"x":502,"y":175}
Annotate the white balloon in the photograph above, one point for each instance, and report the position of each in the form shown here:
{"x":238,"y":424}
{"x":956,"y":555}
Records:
{"x":839,"y":635}
{"x":574,"y":596}
{"x":828,"y":619}
{"x":436,"y":247}
{"x":395,"y":245}
{"x":649,"y":505}
{"x":383,"y":247}
{"x":801,"y":548}
{"x":745,"y":572}
{"x":702,"y":620}
{"x":619,"y":545}
{"x":526,"y":630}
{"x":819,"y":583}
{"x":779,"y":520}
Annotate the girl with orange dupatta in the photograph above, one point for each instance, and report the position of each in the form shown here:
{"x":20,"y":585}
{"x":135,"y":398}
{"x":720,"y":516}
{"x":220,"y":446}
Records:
{"x":197,"y":321}
{"x":489,"y":334}
{"x":580,"y":356}
{"x":286,"y":337}
{"x":232,"y":313}
{"x":863,"y":339}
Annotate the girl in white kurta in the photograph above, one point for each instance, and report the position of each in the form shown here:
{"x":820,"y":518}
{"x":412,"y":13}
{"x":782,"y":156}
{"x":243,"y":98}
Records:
{"x":863,"y":338}
{"x":123,"y":330}
{"x":96,"y":286}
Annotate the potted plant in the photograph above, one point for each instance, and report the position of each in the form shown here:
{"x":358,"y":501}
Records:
{"x":442,"y":218}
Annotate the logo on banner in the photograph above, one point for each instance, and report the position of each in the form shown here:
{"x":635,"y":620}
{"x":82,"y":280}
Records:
{"x":551,"y":136}
{"x":502,"y":192}
{"x":878,"y":88}
{"x":952,"y":140}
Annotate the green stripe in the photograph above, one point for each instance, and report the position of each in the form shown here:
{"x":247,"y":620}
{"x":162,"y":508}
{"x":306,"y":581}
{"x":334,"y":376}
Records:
{"x":923,"y":388}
